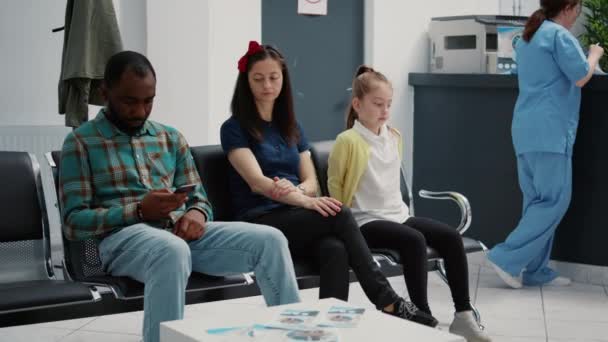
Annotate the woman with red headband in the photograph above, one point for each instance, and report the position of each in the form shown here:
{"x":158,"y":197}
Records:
{"x":272,"y":181}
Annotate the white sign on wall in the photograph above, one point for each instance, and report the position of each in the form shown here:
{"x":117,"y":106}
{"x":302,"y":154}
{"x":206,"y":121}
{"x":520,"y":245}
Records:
{"x":312,"y":7}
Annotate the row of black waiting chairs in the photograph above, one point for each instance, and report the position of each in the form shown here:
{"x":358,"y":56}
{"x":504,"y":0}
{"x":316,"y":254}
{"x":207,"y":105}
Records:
{"x":27,"y":280}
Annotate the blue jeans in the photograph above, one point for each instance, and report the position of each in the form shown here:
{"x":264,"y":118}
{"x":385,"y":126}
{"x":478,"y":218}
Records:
{"x":545,"y":180}
{"x":163,"y":262}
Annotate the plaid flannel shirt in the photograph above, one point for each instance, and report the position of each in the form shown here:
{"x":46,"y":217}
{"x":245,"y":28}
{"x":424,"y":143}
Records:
{"x":104,"y":173}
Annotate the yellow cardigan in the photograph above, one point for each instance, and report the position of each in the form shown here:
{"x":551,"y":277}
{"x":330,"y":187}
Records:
{"x":348,"y":161}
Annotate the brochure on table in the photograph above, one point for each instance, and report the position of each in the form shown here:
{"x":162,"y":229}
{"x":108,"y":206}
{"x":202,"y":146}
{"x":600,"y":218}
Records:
{"x":295,"y":325}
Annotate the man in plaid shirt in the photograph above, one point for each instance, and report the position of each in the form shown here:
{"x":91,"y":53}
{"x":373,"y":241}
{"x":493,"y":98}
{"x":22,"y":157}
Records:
{"x":116,"y":183}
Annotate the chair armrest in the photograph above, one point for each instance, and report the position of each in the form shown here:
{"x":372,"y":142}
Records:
{"x":49,"y":159}
{"x":461,"y":201}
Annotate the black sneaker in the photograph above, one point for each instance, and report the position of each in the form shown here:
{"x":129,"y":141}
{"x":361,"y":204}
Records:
{"x":407,"y":310}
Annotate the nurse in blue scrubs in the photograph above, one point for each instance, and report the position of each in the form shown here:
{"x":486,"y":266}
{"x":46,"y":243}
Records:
{"x":552,"y":70}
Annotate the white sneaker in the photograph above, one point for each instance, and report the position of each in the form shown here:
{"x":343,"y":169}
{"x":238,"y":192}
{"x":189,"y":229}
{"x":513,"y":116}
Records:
{"x":559,"y":281}
{"x":514,"y":282}
{"x":464,"y":325}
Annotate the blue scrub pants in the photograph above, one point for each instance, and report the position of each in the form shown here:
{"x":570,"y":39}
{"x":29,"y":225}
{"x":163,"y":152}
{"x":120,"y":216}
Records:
{"x":546,"y":183}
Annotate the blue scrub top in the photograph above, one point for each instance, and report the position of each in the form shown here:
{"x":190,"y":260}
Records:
{"x":275,"y":156}
{"x":547,"y":109}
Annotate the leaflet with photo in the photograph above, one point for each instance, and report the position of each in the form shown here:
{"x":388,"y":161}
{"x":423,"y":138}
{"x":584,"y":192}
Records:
{"x":342,"y":317}
{"x":294,"y":318}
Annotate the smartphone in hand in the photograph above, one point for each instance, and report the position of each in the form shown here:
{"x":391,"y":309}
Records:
{"x":185,"y":188}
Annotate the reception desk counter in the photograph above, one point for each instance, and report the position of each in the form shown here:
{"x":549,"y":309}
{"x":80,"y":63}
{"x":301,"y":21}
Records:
{"x":462,"y":142}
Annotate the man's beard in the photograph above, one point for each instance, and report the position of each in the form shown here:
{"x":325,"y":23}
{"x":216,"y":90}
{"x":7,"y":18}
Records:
{"x":113,"y":116}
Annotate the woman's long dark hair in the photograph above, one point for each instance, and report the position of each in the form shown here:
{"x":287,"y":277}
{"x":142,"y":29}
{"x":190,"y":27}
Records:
{"x":246,"y":112}
{"x":549,"y":9}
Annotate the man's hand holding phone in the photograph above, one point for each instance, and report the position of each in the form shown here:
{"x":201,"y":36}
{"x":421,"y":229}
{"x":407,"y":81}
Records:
{"x":185,"y":189}
{"x":157,"y":204}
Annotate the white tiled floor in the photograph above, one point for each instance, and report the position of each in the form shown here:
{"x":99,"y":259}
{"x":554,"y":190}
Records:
{"x":575,"y":313}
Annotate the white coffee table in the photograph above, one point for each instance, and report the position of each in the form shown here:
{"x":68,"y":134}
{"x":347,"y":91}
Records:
{"x":374,"y":326}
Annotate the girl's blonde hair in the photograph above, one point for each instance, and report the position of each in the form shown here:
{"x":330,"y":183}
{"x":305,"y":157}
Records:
{"x":363,"y":83}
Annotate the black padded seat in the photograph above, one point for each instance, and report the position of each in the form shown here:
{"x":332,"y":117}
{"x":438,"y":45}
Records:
{"x":27,"y":279}
{"x":41,"y":294}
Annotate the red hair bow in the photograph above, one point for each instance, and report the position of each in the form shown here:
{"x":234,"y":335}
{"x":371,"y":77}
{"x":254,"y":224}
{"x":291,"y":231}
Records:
{"x":254,"y":48}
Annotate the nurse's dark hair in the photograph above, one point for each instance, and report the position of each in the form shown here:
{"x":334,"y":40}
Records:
{"x":365,"y":81}
{"x":123,"y":61}
{"x":549,"y":9}
{"x":243,"y":106}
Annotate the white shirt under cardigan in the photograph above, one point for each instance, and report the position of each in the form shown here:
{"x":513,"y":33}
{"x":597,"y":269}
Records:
{"x":379,"y":194}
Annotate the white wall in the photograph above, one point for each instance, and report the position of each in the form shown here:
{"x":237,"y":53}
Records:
{"x":178,"y":39}
{"x":30,"y":59}
{"x":396,"y":43}
{"x":132,"y":24}
{"x":194,"y":48}
{"x":228,"y":43}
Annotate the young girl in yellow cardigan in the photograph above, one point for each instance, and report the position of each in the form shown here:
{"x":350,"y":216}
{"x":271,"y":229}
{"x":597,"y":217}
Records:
{"x":364,"y":169}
